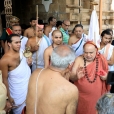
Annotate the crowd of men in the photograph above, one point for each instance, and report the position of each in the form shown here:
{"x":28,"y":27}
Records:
{"x":65,"y":74}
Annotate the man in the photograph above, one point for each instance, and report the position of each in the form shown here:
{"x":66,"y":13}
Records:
{"x":77,"y":40}
{"x":105,"y":104}
{"x":16,"y":29}
{"x":13,"y":20}
{"x":13,"y":65}
{"x":59,"y":24}
{"x":50,"y":27}
{"x":64,"y":30}
{"x":106,"y":49}
{"x":57,"y":40}
{"x":30,"y":32}
{"x":52,"y":93}
{"x":89,"y":73}
{"x":38,"y":44}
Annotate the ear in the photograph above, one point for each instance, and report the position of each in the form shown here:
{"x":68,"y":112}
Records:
{"x":9,"y":44}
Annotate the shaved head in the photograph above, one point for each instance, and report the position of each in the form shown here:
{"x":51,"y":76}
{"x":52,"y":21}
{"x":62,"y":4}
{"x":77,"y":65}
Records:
{"x":56,"y":31}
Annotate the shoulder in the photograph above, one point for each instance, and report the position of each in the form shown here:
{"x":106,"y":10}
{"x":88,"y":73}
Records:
{"x":5,"y":59}
{"x":72,"y":37}
{"x":34,"y":76}
{"x":79,"y":58}
{"x":48,"y":49}
{"x":31,"y":39}
{"x":70,"y":91}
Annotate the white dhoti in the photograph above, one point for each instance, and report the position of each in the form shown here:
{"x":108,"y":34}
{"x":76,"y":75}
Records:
{"x":18,"y":84}
{"x":78,"y":47}
{"x":38,"y":59}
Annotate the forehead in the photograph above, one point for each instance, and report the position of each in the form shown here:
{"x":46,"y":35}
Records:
{"x":107,"y":36}
{"x":33,"y":21}
{"x":53,"y":19}
{"x":89,"y":47}
{"x":15,"y":38}
{"x":16,"y":27}
{"x":57,"y":34}
{"x":78,"y":28}
{"x":39,"y":29}
{"x":67,"y":22}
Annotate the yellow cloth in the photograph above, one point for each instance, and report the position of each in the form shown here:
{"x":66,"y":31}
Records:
{"x":3,"y":95}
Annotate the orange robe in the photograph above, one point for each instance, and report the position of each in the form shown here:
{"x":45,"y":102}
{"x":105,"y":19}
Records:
{"x":89,"y":93}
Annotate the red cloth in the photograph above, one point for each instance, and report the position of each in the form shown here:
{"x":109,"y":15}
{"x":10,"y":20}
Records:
{"x":89,"y":93}
{"x":24,"y":110}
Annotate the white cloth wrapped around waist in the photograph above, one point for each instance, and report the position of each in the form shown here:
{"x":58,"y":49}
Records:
{"x":18,"y":82}
{"x":37,"y":57}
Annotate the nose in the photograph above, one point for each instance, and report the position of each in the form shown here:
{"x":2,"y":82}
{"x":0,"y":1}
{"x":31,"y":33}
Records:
{"x":88,"y":54}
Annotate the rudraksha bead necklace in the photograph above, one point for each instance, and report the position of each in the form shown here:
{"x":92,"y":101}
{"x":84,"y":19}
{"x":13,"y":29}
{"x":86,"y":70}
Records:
{"x":86,"y":73}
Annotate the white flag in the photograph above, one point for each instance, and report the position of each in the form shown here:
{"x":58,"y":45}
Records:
{"x":112,"y":5}
{"x":93,"y":34}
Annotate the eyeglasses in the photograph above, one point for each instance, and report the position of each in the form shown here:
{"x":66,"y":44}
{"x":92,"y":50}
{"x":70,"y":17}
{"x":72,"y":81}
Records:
{"x":66,"y":24}
{"x":58,"y":37}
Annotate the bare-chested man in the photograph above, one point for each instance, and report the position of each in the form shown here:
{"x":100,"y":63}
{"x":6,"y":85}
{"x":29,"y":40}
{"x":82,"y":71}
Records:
{"x":13,"y":65}
{"x":57,"y":40}
{"x":38,"y":44}
{"x":50,"y":27}
{"x":30,"y":32}
{"x":77,"y":39}
{"x":52,"y":93}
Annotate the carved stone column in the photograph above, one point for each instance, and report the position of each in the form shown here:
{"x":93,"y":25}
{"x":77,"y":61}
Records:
{"x":8,"y":11}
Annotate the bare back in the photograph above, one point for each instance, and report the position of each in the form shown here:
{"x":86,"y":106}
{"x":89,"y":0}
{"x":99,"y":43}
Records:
{"x":55,"y":95}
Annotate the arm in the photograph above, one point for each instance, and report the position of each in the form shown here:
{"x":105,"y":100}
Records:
{"x":111,"y":61}
{"x":46,"y":58}
{"x":25,"y":33}
{"x":47,"y":30}
{"x":72,"y":106}
{"x":77,"y":71}
{"x":4,"y":69}
{"x":70,"y":41}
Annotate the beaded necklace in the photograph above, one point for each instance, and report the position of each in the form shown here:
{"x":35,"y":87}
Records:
{"x":86,"y":73}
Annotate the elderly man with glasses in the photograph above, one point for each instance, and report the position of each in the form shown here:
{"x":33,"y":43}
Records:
{"x":64,"y":30}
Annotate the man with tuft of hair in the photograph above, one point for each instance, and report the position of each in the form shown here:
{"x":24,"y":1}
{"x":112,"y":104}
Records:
{"x":49,"y":92}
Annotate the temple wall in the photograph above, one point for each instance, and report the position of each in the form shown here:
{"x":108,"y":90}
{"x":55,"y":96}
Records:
{"x":75,"y":11}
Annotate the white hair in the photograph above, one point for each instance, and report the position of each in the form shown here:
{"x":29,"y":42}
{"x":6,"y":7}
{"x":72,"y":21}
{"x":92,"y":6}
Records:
{"x":61,"y":58}
{"x":105,"y":104}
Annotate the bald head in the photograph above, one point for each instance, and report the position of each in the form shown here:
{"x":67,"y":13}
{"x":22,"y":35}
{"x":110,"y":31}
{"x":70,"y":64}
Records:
{"x":90,"y":52}
{"x":57,"y":31}
{"x":62,"y":56}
